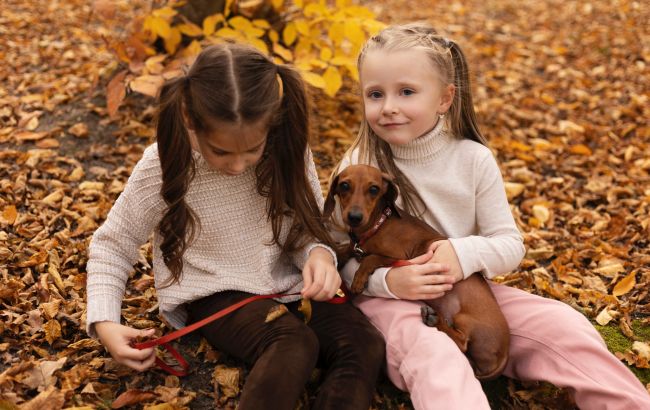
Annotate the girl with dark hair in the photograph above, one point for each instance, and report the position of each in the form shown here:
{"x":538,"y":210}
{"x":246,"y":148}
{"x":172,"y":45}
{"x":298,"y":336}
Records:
{"x":420,"y":126}
{"x":231,"y":194}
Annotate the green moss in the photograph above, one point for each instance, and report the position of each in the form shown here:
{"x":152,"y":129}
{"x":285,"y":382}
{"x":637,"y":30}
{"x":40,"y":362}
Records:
{"x":617,"y":342}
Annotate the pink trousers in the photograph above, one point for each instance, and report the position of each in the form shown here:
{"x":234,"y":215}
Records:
{"x":549,"y":341}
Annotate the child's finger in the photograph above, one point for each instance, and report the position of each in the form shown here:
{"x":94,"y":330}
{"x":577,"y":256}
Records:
{"x":307,"y":280}
{"x":424,"y":258}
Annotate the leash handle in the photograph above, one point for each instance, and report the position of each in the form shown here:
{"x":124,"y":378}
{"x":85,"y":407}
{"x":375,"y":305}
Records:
{"x":163,"y":341}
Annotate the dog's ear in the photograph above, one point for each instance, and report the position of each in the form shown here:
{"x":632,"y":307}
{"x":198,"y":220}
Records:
{"x":391,"y":190}
{"x":330,"y":201}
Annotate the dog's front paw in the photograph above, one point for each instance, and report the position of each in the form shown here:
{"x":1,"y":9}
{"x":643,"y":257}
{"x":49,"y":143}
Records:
{"x":429,"y":316}
{"x":358,"y":285}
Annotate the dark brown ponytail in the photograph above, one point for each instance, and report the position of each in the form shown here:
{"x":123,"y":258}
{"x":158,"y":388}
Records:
{"x":289,"y":186}
{"x":177,"y":225}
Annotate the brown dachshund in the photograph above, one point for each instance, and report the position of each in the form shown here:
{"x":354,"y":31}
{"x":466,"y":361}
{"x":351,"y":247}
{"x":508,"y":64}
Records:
{"x":381,"y":234}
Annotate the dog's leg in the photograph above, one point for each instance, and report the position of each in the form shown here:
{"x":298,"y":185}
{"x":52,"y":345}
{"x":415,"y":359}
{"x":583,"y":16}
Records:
{"x":367,"y":267}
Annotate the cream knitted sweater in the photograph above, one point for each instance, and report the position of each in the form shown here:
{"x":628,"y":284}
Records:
{"x":231,"y":250}
{"x":465,"y":199}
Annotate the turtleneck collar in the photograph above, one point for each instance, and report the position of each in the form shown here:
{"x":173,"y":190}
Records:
{"x":425,"y":147}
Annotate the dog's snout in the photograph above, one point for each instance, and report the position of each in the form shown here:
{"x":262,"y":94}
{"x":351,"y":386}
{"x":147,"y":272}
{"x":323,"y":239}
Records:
{"x":355,"y":216}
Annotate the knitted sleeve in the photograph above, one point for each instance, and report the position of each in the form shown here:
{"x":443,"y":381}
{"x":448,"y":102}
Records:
{"x":498,"y":246}
{"x":114,"y":247}
{"x":299,"y":257}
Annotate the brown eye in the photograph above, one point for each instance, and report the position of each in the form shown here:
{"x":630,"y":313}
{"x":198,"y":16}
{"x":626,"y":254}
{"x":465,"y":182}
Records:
{"x":344,"y":187}
{"x":374,"y":190}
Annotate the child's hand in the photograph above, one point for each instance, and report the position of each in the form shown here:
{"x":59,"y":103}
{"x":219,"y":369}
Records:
{"x":443,"y":252}
{"x":321,"y":279}
{"x":117,"y":340}
{"x":424,"y":279}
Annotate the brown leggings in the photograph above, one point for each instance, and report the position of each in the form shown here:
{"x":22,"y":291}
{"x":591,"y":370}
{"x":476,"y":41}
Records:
{"x":284,"y":352}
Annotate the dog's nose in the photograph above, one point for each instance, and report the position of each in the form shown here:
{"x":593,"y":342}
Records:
{"x":355,"y":217}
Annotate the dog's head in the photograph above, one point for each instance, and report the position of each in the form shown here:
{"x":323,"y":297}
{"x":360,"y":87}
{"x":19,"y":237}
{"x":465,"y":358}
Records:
{"x":363,"y":193}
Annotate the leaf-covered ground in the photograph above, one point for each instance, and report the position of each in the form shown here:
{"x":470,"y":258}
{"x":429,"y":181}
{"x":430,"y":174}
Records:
{"x":562,"y":92}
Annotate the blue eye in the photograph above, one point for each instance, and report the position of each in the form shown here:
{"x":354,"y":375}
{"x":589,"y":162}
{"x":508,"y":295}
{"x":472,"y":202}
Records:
{"x":408,"y":91}
{"x":374,"y":94}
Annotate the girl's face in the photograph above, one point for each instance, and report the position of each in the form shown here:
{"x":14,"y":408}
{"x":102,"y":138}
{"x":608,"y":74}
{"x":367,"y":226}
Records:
{"x":233,"y":147}
{"x":402,"y":94}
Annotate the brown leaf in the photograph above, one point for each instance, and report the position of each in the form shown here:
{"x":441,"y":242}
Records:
{"x":115,"y":93}
{"x":227,"y":380}
{"x":79,"y":130}
{"x":41,"y":377}
{"x":51,"y":399}
{"x":305,"y":308}
{"x":9,"y":215}
{"x":625,"y":285}
{"x":52,"y":331}
{"x":132,"y":397}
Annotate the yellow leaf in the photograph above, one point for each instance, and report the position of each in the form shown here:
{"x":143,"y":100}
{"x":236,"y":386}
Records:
{"x":333,"y":80}
{"x":313,"y":79}
{"x":315,"y":10}
{"x":9,"y":215}
{"x":190,"y":29}
{"x":261,"y":24}
{"x":325,"y":54}
{"x":228,"y":7}
{"x":174,"y":39}
{"x":342,"y":3}
{"x":625,"y":285}
{"x":227,"y":32}
{"x":298,"y":3}
{"x":210,"y":23}
{"x":277,"y":4}
{"x":354,"y":33}
{"x":259,"y":44}
{"x":289,"y":34}
{"x":275,"y":312}
{"x":160,"y":26}
{"x":303,"y":48}
{"x":337,"y":32}
{"x":194,"y":48}
{"x":282,"y":52}
{"x":302,"y":27}
{"x":164,"y":12}
{"x":240,"y":23}
{"x":274,"y":36}
{"x":580,"y":149}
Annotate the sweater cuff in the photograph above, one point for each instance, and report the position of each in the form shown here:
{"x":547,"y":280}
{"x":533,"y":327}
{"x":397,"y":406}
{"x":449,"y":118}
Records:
{"x":377,"y":285}
{"x":101,"y":308}
{"x":465,"y":253}
{"x":320,"y":245}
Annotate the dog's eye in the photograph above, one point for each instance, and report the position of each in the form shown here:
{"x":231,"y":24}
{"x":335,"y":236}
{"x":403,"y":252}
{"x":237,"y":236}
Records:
{"x":344,"y":187}
{"x":374,"y":190}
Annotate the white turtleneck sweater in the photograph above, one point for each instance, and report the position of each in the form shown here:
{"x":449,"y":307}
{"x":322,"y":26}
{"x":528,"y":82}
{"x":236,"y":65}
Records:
{"x":462,"y":189}
{"x":231,"y":250}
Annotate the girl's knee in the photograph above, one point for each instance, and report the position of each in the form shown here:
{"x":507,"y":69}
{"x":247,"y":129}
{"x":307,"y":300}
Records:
{"x":294,"y":343}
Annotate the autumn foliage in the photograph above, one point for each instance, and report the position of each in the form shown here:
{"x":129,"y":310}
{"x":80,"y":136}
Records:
{"x":561,"y":91}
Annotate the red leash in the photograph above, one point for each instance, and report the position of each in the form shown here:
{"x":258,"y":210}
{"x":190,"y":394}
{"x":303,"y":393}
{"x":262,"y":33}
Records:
{"x":164,"y":340}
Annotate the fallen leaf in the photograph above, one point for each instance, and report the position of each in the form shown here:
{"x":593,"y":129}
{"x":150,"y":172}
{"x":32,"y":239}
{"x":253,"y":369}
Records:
{"x":41,"y":377}
{"x":79,"y":130}
{"x":305,"y":308}
{"x":275,"y":312}
{"x":132,"y":397}
{"x":227,"y":379}
{"x":625,"y":285}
